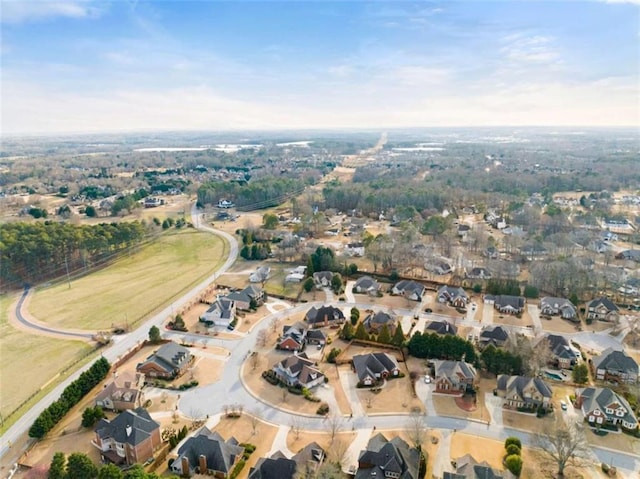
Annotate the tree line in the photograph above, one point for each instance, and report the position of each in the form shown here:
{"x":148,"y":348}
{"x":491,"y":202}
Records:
{"x":71,"y":396}
{"x":259,"y":193}
{"x":43,"y":250}
{"x":431,"y":345}
{"x":79,"y":466}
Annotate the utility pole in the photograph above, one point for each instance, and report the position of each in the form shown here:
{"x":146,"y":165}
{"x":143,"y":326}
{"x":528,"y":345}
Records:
{"x":66,"y":265}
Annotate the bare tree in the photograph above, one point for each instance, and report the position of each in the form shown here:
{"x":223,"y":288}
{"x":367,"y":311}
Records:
{"x":255,"y":422}
{"x":534,"y":356}
{"x":197,"y":418}
{"x":255,"y":360}
{"x":333,"y":426}
{"x":337,"y":454}
{"x":562,"y":444}
{"x":261,"y":338}
{"x":274,"y":324}
{"x":296,"y":426}
{"x":285,"y":393}
{"x":417,"y":429}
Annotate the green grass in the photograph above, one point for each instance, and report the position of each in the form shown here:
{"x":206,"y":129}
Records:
{"x":134,"y":286}
{"x":28,"y":362}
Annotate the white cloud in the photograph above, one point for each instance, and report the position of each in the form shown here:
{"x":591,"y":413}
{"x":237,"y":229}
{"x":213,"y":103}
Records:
{"x":530,"y":49}
{"x":18,"y":11}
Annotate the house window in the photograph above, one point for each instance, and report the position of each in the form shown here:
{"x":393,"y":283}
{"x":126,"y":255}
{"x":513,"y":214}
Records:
{"x":599,"y":420}
{"x":609,"y":411}
{"x":620,"y":412}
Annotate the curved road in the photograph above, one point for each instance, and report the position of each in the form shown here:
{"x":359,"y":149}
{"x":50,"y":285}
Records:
{"x":210,"y":399}
{"x":122,"y":344}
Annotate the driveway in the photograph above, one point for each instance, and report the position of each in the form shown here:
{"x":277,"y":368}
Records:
{"x":534,"y":312}
{"x":494,"y":406}
{"x":442,"y":460}
{"x":350,"y":463}
{"x":348,"y":381}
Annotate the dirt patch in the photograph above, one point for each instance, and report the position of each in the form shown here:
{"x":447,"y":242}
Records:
{"x":396,"y":396}
{"x":511,"y":320}
{"x":558,"y":325}
{"x":298,"y":440}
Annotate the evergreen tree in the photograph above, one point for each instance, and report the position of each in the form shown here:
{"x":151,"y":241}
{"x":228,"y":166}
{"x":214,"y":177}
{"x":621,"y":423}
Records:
{"x":79,"y":466}
{"x":154,"y":334}
{"x":384,"y":337}
{"x":398,"y":336}
{"x":57,"y":467}
{"x":361,"y":333}
{"x":110,"y":471}
{"x":347,"y":332}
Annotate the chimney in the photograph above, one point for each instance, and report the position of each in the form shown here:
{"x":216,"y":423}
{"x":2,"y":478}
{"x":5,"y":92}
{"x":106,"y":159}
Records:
{"x":128,"y":429}
{"x":185,"y":466}
{"x":202,"y":460}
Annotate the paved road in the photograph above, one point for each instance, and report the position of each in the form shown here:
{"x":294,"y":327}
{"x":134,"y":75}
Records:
{"x":60,"y":332}
{"x":124,"y":344}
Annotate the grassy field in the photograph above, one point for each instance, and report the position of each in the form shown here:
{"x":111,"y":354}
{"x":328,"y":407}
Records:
{"x":134,"y":286}
{"x":28,"y":362}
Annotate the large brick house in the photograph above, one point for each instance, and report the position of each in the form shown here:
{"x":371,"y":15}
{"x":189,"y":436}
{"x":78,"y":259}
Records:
{"x":602,"y":309}
{"x":388,"y":459}
{"x":299,"y":371}
{"x":602,"y":406}
{"x":615,"y":365}
{"x":454,"y":377}
{"x":207,"y":453}
{"x":168,"y":362}
{"x":523,"y":392}
{"x":129,"y":438}
{"x":324,"y":316}
{"x":371,"y":368}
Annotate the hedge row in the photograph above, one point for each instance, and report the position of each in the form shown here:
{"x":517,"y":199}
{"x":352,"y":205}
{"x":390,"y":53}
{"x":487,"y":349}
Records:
{"x":71,"y":396}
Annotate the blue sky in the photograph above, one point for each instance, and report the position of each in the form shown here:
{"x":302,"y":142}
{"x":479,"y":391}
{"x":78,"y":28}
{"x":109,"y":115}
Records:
{"x":82,"y":65}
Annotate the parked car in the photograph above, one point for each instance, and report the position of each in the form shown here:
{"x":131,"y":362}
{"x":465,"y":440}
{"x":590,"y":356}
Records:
{"x":428,"y":310}
{"x":563,"y":405}
{"x":427,"y":379}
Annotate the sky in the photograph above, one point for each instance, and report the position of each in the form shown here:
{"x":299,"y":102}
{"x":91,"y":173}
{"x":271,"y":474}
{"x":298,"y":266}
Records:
{"x":125,"y":65}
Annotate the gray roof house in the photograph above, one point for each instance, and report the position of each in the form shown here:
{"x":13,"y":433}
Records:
{"x":304,"y":464}
{"x":604,"y":406}
{"x":324,"y":316}
{"x":602,"y":309}
{"x":495,"y":335}
{"x":562,"y":351}
{"x":441,"y":327}
{"x":558,"y":306}
{"x":322,"y":279}
{"x":454,"y":377}
{"x":124,"y":392}
{"x":168,"y":362}
{"x":374,"y":321}
{"x":523,"y":392}
{"x":207,"y":453}
{"x":468,"y":468}
{"x":242,"y":299}
{"x":221,"y":312}
{"x":366,"y":284}
{"x":615,"y":365}
{"x":409,"y":289}
{"x":629,"y":254}
{"x":260,"y":275}
{"x":372,"y":367}
{"x":456,"y":297}
{"x":509,"y":304}
{"x":479,"y":273}
{"x":129,"y":438}
{"x":298,"y":370}
{"x":388,"y":459}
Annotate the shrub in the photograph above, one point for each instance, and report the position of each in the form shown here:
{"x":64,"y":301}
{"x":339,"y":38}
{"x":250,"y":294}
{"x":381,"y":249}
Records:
{"x":513,"y":449}
{"x":331,"y":357}
{"x":236,"y":470}
{"x":477,"y":288}
{"x":513,"y":440}
{"x":514,"y":464}
{"x":323,"y":409}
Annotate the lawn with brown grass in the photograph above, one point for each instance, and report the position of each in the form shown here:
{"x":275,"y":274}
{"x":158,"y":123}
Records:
{"x":134,"y":286}
{"x":29,"y":362}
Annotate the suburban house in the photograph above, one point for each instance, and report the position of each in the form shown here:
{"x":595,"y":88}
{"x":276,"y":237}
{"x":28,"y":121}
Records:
{"x":629,"y":254}
{"x":509,"y":304}
{"x":563,"y":354}
{"x":468,"y":468}
{"x":372,"y":367}
{"x":409,"y":289}
{"x":322,"y":279}
{"x":293,"y":337}
{"x":463,"y":230}
{"x":374,"y":321}
{"x":615,"y":365}
{"x":129,"y":438}
{"x":221,"y":312}
{"x":495,"y":335}
{"x":242,"y":299}
{"x":298,"y":370}
{"x":551,"y":306}
{"x":439,"y":267}
{"x":491,"y":252}
{"x":479,"y":273}
{"x":152,"y":202}
{"x":168,"y":362}
{"x":441,"y":328}
{"x":324,"y":316}
{"x":388,"y":459}
{"x":534,"y":251}
{"x":602,"y":309}
{"x":366,"y":285}
{"x":602,"y":406}
{"x":523,"y":392}
{"x":456,"y":297}
{"x":260,"y":275}
{"x":207,"y":453}
{"x":124,"y":392}
{"x":454,"y":377}
{"x":296,"y":275}
{"x":304,"y":464}
{"x":355,"y":249}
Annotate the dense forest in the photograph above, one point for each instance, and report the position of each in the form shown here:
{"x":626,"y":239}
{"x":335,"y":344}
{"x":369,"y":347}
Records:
{"x":38,"y":251}
{"x":261,"y":193}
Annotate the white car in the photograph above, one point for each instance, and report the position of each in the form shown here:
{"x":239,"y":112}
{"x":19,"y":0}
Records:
{"x":563,"y":405}
{"x":427,"y":380}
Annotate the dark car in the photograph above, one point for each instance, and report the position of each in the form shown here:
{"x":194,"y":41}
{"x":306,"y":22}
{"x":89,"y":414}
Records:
{"x":428,"y":310}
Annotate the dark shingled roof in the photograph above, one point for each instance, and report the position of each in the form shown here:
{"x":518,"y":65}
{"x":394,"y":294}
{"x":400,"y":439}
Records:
{"x":278,"y":468}
{"x":442,"y":327}
{"x":615,"y":360}
{"x":130,"y":427}
{"x":373,"y":363}
{"x":317,"y":315}
{"x":169,"y":357}
{"x":220,"y":454}
{"x":392,"y":456}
